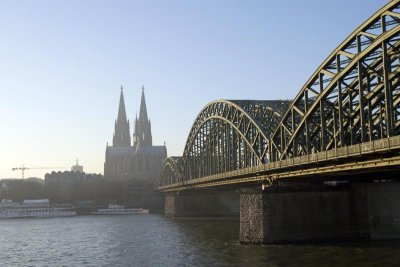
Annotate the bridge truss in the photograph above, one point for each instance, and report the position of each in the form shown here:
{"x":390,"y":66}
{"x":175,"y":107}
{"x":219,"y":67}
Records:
{"x":352,"y":99}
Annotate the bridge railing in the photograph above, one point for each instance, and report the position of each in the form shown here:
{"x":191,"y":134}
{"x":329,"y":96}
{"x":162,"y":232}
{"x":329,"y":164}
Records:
{"x":348,"y":152}
{"x":381,"y":145}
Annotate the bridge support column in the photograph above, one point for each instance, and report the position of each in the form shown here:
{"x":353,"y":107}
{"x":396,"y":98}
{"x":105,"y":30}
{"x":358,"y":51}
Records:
{"x":355,"y":212}
{"x":281,"y":216}
{"x":202,"y":203}
{"x":252,"y":226}
{"x":377,"y":207}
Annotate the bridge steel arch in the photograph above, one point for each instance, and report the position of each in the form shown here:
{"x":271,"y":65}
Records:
{"x":169,"y":172}
{"x":353,"y":97}
{"x":229,"y":135}
{"x":226,"y":135}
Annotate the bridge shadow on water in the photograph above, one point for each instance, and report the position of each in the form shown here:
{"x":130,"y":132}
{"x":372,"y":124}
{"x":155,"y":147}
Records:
{"x":214,"y":241}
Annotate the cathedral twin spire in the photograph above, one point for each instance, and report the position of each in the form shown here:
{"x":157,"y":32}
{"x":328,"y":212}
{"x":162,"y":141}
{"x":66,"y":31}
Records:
{"x":142,"y":131}
{"x":142,"y":135}
{"x":122,"y":136}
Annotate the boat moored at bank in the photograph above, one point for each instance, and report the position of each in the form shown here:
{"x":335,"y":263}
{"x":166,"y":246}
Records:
{"x":40,"y":208}
{"x":114,"y":209}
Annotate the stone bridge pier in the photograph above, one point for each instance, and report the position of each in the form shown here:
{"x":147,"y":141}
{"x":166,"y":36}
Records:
{"x":367,"y":211}
{"x":202,"y":203}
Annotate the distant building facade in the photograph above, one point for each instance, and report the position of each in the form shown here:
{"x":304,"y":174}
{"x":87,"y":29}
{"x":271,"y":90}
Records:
{"x":21,"y":189}
{"x":134,"y":161}
{"x":71,"y":186}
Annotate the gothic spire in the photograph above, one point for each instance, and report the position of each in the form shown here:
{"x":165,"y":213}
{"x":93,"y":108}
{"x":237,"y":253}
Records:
{"x":121,"y":133}
{"x":121,"y":108}
{"x":136,"y":132}
{"x":142,"y":135}
{"x":143,"y":109}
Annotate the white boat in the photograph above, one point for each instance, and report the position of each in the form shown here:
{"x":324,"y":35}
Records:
{"x":34,"y":208}
{"x":114,"y":209}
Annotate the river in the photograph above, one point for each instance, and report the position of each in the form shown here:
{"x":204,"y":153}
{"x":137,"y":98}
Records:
{"x":152,"y":240}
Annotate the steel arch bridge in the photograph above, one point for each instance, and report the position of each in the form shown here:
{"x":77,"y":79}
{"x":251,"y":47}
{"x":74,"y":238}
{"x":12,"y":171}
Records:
{"x":349,"y":109}
{"x":227,"y":135}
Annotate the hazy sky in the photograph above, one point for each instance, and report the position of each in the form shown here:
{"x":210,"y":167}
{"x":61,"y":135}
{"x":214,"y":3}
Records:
{"x":62,"y":64}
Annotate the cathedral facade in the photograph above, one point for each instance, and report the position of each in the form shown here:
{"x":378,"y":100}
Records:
{"x":136,"y":160}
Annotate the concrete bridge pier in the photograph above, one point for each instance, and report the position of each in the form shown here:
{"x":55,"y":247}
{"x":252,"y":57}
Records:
{"x":367,"y":211}
{"x":202,"y":203}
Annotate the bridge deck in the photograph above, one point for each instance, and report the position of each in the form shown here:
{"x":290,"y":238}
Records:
{"x":367,"y":155}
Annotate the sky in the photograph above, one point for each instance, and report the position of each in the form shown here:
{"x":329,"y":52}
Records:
{"x":62,"y":64}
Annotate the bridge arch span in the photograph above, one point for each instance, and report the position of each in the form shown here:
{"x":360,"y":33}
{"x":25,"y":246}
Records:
{"x":169,"y":172}
{"x":353,"y":97}
{"x":229,"y":135}
{"x":350,"y":104}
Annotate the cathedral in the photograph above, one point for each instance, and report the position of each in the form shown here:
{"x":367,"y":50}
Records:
{"x":134,"y":161}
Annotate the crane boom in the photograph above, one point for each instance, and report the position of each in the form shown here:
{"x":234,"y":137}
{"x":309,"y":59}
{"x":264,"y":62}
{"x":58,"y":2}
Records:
{"x":23,"y":168}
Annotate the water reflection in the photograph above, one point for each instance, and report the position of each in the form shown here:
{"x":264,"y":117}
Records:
{"x":153,"y":240}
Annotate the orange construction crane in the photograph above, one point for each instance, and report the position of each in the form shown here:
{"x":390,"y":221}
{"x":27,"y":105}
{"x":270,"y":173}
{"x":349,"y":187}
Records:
{"x":23,"y":168}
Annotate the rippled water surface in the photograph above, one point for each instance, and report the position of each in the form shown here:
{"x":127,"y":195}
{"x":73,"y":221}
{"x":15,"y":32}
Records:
{"x":152,"y":240}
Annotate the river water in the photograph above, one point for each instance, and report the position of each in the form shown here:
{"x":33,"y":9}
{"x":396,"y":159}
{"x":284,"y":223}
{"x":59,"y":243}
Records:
{"x":152,"y":240}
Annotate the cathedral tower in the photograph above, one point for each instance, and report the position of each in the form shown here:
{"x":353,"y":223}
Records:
{"x":142,"y":135}
{"x":138,"y":164}
{"x":122,"y":136}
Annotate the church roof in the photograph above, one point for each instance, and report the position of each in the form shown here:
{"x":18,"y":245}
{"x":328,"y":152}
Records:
{"x":120,"y":151}
{"x":152,"y":150}
{"x":128,"y":151}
